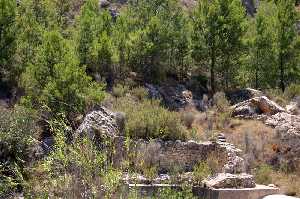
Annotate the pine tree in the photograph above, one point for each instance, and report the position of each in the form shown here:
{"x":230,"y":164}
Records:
{"x":218,"y":32}
{"x":87,"y":30}
{"x":159,"y":38}
{"x":55,"y":79}
{"x":7,"y":38}
{"x":206,"y":39}
{"x":262,"y":47}
{"x":286,"y":39}
{"x":233,"y":28}
{"x":33,"y":19}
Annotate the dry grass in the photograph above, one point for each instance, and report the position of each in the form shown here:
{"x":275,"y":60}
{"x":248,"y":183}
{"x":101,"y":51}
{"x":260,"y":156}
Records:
{"x":289,"y":183}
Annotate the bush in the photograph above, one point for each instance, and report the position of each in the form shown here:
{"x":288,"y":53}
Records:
{"x":18,"y":132}
{"x":76,"y":170}
{"x":222,"y":109}
{"x":201,"y":171}
{"x":139,"y":92}
{"x":263,"y":174}
{"x":188,"y":118}
{"x":220,"y":102}
{"x":147,"y":119}
{"x":292,"y":91}
{"x":119,"y":90}
{"x":56,"y":81}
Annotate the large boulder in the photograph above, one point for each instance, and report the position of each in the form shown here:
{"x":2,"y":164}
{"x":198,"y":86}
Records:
{"x":226,"y":180}
{"x":103,"y":123}
{"x":175,"y":97}
{"x":241,"y":95}
{"x":256,"y":106}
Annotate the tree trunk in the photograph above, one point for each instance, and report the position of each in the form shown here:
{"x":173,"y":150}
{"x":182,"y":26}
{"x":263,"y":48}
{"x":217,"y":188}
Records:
{"x":256,"y":78}
{"x":281,"y":66}
{"x":212,"y":71}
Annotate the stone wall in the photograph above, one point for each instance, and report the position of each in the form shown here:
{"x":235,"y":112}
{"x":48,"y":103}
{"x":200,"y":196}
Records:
{"x":170,"y":155}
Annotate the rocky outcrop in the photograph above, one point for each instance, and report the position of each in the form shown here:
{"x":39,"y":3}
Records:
{"x":242,"y":95}
{"x":285,"y":122}
{"x":103,"y":123}
{"x":174,"y":97}
{"x":288,"y":136}
{"x":256,"y":106}
{"x":226,"y":180}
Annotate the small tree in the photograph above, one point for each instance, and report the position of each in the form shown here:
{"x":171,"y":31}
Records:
{"x":56,"y":80}
{"x":218,"y":31}
{"x":286,"y":40}
{"x":7,"y":37}
{"x":262,"y":46}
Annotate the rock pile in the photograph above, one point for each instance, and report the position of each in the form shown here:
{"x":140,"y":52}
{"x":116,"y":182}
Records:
{"x":235,"y":164}
{"x":256,"y":106}
{"x":284,"y":121}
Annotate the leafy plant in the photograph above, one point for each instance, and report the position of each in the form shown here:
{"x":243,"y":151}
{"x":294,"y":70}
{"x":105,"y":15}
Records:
{"x":263,"y":174}
{"x":147,"y":119}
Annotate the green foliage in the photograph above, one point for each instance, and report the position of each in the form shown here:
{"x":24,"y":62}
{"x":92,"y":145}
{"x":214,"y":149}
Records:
{"x":219,"y":27}
{"x":72,"y":170}
{"x":263,"y":174}
{"x":201,"y":171}
{"x":147,"y":119}
{"x":292,"y":91}
{"x":139,"y":92}
{"x":262,"y":55}
{"x":168,"y":193}
{"x":95,"y":44}
{"x":56,"y":80}
{"x":119,"y":90}
{"x":159,"y":41}
{"x":286,"y":42}
{"x":18,"y":133}
{"x":7,"y":38}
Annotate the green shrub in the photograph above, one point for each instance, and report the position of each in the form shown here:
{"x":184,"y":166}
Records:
{"x":201,"y":171}
{"x":222,"y":110}
{"x":18,"y":133}
{"x":72,"y":170}
{"x":292,"y":91}
{"x":56,"y":81}
{"x":263,"y":174}
{"x":139,"y":92}
{"x":147,"y":119}
{"x":119,"y":90}
{"x":166,"y":193}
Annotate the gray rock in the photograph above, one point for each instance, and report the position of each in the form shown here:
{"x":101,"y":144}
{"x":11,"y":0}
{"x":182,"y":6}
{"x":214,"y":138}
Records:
{"x":102,"y":123}
{"x":226,"y":180}
{"x":256,"y":106}
{"x":175,"y":97}
{"x":104,"y":3}
{"x":279,"y":197}
{"x":241,"y":95}
{"x":294,"y":106}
